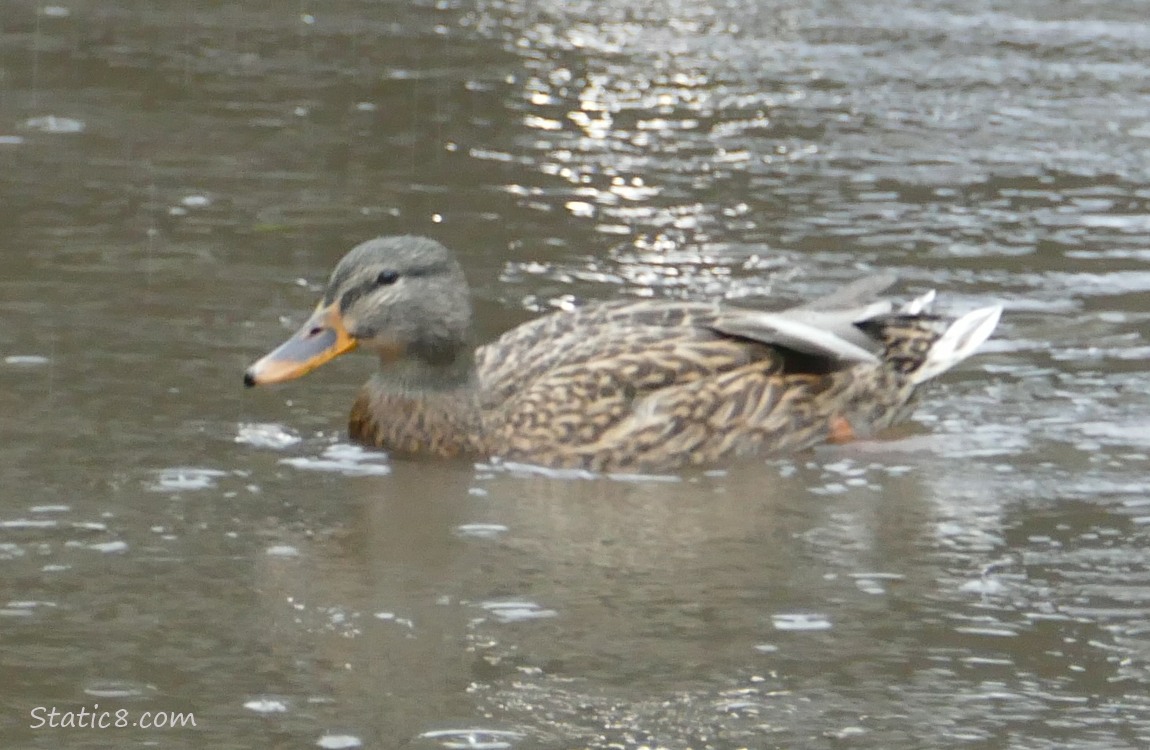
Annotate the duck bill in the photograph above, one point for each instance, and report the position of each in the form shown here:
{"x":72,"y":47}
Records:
{"x":321,"y":339}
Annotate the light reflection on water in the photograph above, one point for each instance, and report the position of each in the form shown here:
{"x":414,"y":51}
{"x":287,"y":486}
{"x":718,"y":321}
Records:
{"x":171,"y":542}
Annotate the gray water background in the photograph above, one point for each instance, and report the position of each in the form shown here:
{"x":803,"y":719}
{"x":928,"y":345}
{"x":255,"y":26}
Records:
{"x":177,"y":179}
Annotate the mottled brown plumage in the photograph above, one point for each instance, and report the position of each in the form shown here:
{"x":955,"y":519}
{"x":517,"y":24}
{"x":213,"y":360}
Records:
{"x":617,"y":386}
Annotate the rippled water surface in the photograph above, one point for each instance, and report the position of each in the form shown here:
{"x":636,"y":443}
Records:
{"x":176,"y":181}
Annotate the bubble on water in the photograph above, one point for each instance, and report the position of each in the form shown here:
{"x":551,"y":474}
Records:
{"x":474,"y":738}
{"x":24,"y":609}
{"x":987,"y":631}
{"x":114,"y":547}
{"x":983,"y":585}
{"x":392,"y":617}
{"x":338,"y":467}
{"x":118,"y":689}
{"x":480,"y":530}
{"x":266,"y":435}
{"x":185,"y":478}
{"x":801,"y":622}
{"x":349,"y":460}
{"x":266,"y":705}
{"x":50,"y":509}
{"x":27,"y":523}
{"x":55,"y":125}
{"x":26,"y":360}
{"x":517,"y":610}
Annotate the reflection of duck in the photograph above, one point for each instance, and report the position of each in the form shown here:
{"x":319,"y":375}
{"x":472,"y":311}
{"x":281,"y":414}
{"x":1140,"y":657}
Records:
{"x":617,"y":385}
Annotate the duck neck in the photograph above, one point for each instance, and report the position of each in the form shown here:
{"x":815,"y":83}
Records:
{"x":418,"y":376}
{"x":421,"y":408}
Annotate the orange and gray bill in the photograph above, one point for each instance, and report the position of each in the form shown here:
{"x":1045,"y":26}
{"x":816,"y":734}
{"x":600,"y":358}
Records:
{"x":321,"y":339}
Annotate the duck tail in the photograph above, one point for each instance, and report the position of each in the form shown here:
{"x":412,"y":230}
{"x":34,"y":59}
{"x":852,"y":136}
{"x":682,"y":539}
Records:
{"x":923,"y":346}
{"x":960,"y":339}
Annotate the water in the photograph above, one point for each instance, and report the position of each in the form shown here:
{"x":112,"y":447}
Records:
{"x":177,"y":181}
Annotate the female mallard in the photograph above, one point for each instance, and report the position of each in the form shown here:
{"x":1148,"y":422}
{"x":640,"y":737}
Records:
{"x":624,"y":385}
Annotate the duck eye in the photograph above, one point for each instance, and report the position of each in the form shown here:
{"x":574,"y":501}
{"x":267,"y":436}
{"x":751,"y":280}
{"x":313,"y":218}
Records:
{"x":387,"y":278}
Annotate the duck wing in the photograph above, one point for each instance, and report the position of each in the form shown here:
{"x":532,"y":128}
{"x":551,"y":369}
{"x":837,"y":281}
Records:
{"x":648,"y":397}
{"x":596,"y":332}
{"x":644,"y":385}
{"x":825,"y":327}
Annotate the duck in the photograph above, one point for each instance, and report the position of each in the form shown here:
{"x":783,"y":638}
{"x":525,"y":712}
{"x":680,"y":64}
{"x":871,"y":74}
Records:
{"x":626,"y":385}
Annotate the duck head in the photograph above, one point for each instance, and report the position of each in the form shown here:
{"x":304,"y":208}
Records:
{"x":404,"y":298}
